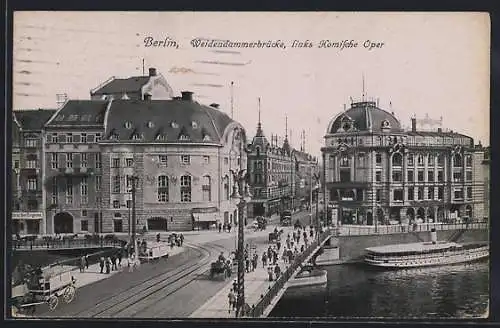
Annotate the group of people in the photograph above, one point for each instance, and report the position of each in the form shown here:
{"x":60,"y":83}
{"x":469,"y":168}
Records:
{"x":224,"y":227}
{"x":111,"y":263}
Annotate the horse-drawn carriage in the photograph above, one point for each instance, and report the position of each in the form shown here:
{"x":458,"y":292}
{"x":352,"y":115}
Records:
{"x":41,"y":287}
{"x":221,"y":269}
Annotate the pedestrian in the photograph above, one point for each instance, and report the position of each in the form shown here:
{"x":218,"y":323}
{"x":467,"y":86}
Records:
{"x":114,"y":261}
{"x":220,"y":227}
{"x":311,"y":232}
{"x":264,"y":259}
{"x":302,"y":248}
{"x":82,"y":264}
{"x":108,"y":265}
{"x":269,"y":253}
{"x":255,"y":261}
{"x":275,"y":257}
{"x":270,"y":273}
{"x":229,"y":227}
{"x":87,"y":261}
{"x":304,"y":234}
{"x":247,"y":265}
{"x":120,"y":257}
{"x":182,"y":239}
{"x":277,"y":271}
{"x":232,"y":300}
{"x":285,"y":256}
{"x":101,"y":263}
{"x":235,"y":285}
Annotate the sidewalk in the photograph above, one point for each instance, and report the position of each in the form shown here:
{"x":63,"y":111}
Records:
{"x":256,"y":284}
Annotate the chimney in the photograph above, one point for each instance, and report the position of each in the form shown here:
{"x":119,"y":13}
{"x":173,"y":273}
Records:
{"x":187,"y":95}
{"x":152,"y":71}
{"x":214,"y":105}
{"x":413,"y":124}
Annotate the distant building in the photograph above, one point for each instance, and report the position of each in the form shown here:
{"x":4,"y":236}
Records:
{"x":28,"y":212}
{"x":377,"y":173}
{"x":279,"y":175}
{"x":153,"y":86}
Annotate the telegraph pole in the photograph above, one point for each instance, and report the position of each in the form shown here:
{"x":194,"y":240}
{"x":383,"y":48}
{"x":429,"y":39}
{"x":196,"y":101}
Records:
{"x":134,"y":239}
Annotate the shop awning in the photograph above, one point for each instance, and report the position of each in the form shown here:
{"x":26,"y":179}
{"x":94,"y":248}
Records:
{"x":205,"y":217}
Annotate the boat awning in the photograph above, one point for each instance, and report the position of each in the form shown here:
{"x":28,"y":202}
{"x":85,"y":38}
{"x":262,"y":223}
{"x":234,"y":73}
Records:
{"x":205,"y":217}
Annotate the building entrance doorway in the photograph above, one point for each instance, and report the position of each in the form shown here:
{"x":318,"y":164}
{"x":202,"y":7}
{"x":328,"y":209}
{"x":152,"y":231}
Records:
{"x":157,"y":224}
{"x":63,"y":223}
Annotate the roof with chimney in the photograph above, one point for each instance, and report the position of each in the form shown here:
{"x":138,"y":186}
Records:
{"x":175,"y":120}
{"x":364,"y":116}
{"x":131,"y":84}
{"x":32,"y":119}
{"x":80,"y":113}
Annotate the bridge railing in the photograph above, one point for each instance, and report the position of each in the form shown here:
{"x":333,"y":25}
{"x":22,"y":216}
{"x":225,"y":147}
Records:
{"x":65,"y":244}
{"x":359,"y":230}
{"x":258,"y":309}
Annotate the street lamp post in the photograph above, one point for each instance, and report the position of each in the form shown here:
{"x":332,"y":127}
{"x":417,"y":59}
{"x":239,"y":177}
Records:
{"x":242,"y":195}
{"x":133,"y":190}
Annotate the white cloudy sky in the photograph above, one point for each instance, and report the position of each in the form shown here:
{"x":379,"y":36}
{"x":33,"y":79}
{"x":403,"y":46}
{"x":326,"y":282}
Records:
{"x":430,"y":63}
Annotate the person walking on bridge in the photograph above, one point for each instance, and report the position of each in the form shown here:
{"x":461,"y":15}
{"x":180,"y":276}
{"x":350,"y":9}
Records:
{"x":264,"y":259}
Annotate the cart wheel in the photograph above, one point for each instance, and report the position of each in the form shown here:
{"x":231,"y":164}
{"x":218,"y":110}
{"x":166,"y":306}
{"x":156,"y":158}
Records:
{"x":53,"y":302}
{"x":69,"y":294}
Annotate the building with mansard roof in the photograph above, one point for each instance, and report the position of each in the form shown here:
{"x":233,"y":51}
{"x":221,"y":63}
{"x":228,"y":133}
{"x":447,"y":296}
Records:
{"x":378,"y":173}
{"x":181,"y":151}
{"x":28,"y":214}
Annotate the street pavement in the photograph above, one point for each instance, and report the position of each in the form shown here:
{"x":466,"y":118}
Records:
{"x":166,"y":288}
{"x":256,"y":282}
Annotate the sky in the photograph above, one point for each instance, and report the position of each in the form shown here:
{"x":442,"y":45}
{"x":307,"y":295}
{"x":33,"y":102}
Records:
{"x":434,"y":64}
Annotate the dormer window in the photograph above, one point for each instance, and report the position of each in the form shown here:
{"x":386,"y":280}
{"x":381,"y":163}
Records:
{"x":136,"y":137}
{"x":174,"y":125}
{"x":386,"y":124}
{"x":150,"y":125}
{"x":194,"y":125}
{"x":128,"y":125}
{"x":206,"y":137}
{"x":161,"y":137}
{"x":184,"y":137}
{"x":113,"y":136}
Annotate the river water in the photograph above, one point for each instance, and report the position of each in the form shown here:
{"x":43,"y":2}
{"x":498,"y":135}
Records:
{"x":358,"y":291}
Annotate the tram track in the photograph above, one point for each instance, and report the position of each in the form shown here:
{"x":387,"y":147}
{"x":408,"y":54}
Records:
{"x":133,"y":299}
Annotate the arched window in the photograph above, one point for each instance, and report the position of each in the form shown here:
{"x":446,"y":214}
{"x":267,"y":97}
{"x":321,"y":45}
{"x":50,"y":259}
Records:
{"x":378,"y":158}
{"x":344,"y":161}
{"x":186,"y":189}
{"x":397,"y":159}
{"x":457,"y":160}
{"x":206,"y":189}
{"x":163,"y":189}
{"x":226,"y":187}
{"x":257,"y":149}
{"x":468,"y":161}
{"x":440,"y":160}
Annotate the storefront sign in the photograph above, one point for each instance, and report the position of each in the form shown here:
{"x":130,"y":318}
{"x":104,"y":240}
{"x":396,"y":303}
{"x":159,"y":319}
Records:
{"x":27,"y":215}
{"x":204,"y":210}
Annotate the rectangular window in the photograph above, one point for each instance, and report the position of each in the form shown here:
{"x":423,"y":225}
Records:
{"x":440,"y":160}
{"x":411,"y":193}
{"x":69,"y":190}
{"x":84,"y":213}
{"x":129,"y":203}
{"x":185,"y":159}
{"x":54,"y":138}
{"x":345,"y":175}
{"x":163,"y":159}
{"x":31,"y":164}
{"x":420,"y":160}
{"x":84,"y":160}
{"x":378,"y":158}
{"x":163,"y":188}
{"x":116,"y":204}
{"x":97,"y":137}
{"x":420,"y":193}
{"x":458,"y":193}
{"x":186,"y":188}
{"x":361,"y":159}
{"x":469,"y":192}
{"x":410,"y":175}
{"x":468,"y":175}
{"x":31,"y":143}
{"x":468,"y":161}
{"x":129,"y":162}
{"x":115,"y":162}
{"x":378,"y":176}
{"x":226,"y":161}
{"x":129,"y":183}
{"x":397,"y":176}
{"x":378,"y":195}
{"x":430,"y":193}
{"x":32,"y":184}
{"x":69,"y":138}
{"x":16,"y":164}
{"x":420,"y":176}
{"x":457,"y":177}
{"x":83,"y":138}
{"x":98,"y":161}
{"x":410,"y":160}
{"x":55,"y":190}
{"x":344,"y":161}
{"x":430,"y":176}
{"x":116,"y":184}
{"x":398,"y":195}
{"x":84,"y":225}
{"x":84,"y":188}
{"x":206,"y":159}
{"x":69,"y":160}
{"x":98,"y":181}
{"x":440,"y":176}
{"x":84,"y":200}
{"x":440,"y":193}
